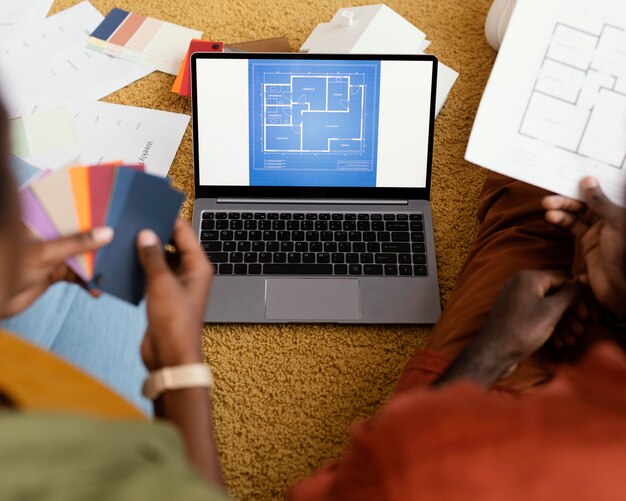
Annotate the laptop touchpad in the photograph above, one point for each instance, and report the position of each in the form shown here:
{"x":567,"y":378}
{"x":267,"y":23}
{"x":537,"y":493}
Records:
{"x":312,"y":299}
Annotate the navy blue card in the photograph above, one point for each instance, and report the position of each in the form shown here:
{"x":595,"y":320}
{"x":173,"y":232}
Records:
{"x":139,"y":201}
{"x":124,"y":178}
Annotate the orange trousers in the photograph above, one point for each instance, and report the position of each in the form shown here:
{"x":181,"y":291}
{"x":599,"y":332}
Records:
{"x":513,"y":236}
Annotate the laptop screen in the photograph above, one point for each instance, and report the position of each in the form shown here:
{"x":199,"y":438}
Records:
{"x":313,"y":122}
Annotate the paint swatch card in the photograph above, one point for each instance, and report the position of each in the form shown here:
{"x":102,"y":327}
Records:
{"x":101,"y":178}
{"x":143,"y":40}
{"x":47,"y":131}
{"x":55,"y":194}
{"x":139,"y":201}
{"x":182,"y":84}
{"x":76,"y":199}
{"x":40,"y":224}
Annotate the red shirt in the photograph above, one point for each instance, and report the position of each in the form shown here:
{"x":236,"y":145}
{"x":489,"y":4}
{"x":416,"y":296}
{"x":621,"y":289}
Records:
{"x":566,"y":441}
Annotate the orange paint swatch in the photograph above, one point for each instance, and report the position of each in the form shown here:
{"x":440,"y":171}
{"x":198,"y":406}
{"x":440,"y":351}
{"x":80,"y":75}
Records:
{"x":79,"y":179}
{"x":127,"y":29}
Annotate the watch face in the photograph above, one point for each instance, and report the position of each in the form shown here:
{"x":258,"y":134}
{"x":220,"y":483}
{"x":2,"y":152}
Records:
{"x":154,"y":384}
{"x":148,"y":389}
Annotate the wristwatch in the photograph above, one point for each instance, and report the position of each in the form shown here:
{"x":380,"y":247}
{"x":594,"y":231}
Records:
{"x":177,"y":378}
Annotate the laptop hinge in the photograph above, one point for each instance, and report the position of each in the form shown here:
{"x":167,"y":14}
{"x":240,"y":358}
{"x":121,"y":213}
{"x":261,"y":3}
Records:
{"x":310,"y":201}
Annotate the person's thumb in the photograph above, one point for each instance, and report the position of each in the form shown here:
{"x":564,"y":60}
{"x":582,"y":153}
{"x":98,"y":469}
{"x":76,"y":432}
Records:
{"x":57,"y":251}
{"x":150,"y":252}
{"x":597,"y":200}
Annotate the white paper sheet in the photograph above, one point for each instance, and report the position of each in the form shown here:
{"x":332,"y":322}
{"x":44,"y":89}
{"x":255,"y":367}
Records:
{"x":43,"y":132}
{"x":554,"y":109}
{"x":48,"y":64}
{"x":376,"y":29}
{"x":109,"y":132}
{"x":372,"y":27}
{"x":17,"y":15}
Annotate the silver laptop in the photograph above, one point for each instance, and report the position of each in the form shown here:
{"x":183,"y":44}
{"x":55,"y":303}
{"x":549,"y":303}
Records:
{"x":312,"y":184}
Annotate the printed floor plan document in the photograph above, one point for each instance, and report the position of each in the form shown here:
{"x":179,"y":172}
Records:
{"x":554,"y":109}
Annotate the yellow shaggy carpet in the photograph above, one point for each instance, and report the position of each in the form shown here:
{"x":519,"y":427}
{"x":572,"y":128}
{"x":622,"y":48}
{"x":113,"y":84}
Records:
{"x":286,"y":395}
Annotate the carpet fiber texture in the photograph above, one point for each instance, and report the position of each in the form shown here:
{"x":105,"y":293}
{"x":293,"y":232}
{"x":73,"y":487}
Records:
{"x":286,"y":395}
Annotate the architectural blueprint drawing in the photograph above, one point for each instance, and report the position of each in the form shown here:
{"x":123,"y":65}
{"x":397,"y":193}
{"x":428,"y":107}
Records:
{"x":315,"y":122}
{"x":555,"y":106}
{"x":578,"y":97}
{"x":313,"y":113}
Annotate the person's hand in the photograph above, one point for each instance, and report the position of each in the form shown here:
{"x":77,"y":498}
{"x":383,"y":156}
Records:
{"x":524,"y":317}
{"x":43,"y":264}
{"x":574,"y":323}
{"x":527,"y":311}
{"x":600,"y":229}
{"x":175,"y":298}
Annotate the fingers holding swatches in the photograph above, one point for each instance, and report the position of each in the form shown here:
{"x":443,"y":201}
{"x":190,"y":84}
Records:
{"x":151,"y":255}
{"x":191,"y":255}
{"x":54,"y":252}
{"x":195,"y":269}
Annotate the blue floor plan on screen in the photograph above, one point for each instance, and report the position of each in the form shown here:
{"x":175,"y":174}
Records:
{"x":313,"y":123}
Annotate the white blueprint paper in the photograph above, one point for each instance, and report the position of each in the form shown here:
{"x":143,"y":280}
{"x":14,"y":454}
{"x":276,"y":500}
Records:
{"x":108,"y":132}
{"x":49,"y":64}
{"x":554,"y":109}
{"x":376,"y":29}
{"x":18,"y":15}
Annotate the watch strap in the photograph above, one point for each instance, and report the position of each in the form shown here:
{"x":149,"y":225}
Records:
{"x":177,"y":378}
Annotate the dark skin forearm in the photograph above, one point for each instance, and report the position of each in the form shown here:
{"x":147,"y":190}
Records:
{"x":524,"y":316}
{"x":190,"y":410}
{"x":480,"y":362}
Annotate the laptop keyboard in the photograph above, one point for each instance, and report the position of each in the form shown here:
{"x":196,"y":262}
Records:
{"x":314,"y":243}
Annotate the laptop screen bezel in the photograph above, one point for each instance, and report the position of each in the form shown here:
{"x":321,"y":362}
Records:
{"x":291,"y":192}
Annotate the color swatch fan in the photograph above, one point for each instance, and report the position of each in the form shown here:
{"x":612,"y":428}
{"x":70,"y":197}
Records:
{"x":76,"y":199}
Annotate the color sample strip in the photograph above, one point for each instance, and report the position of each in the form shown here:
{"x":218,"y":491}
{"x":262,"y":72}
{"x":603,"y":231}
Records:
{"x":54,"y":193}
{"x":110,"y":24}
{"x":19,"y":138}
{"x":101,"y":180}
{"x":43,"y":132}
{"x":144,"y":34}
{"x":122,"y":182}
{"x":79,"y":178}
{"x":50,"y":130}
{"x":127,"y":29}
{"x":169,"y":47}
{"x":36,"y":219}
{"x":97,"y":44}
{"x":80,"y":188}
{"x":124,"y":197}
{"x":143,"y":40}
{"x":145,"y":202}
